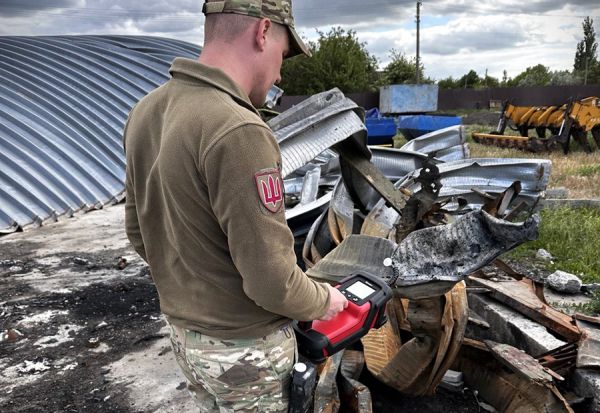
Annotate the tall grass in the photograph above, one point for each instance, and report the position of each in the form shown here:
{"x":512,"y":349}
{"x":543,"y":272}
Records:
{"x":572,"y":236}
{"x":578,"y":171}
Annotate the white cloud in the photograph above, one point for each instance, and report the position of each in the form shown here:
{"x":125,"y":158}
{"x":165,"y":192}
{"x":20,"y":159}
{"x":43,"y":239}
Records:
{"x":457,"y":35}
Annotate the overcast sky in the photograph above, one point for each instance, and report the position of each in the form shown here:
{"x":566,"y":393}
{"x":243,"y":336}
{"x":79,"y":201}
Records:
{"x":456,"y":35}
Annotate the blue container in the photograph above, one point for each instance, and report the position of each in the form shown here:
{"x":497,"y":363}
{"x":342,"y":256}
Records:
{"x":380,"y":130}
{"x":408,"y":98}
{"x":416,"y":125}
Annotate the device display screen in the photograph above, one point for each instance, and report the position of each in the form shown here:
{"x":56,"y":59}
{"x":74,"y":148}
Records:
{"x":360,"y":289}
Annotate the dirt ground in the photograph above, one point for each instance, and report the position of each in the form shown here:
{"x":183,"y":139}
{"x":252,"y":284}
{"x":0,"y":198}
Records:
{"x":87,"y":334}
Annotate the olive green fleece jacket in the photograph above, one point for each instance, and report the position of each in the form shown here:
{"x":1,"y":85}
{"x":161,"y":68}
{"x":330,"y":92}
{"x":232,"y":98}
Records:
{"x":198,"y":209}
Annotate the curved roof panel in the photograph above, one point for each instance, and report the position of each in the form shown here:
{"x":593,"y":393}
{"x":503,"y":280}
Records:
{"x":63,"y":104}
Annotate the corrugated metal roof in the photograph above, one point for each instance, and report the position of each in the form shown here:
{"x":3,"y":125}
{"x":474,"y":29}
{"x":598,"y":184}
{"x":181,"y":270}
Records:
{"x":63,"y":103}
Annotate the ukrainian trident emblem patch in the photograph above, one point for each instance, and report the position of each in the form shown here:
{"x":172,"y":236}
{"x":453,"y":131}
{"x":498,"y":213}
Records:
{"x":270,"y":191}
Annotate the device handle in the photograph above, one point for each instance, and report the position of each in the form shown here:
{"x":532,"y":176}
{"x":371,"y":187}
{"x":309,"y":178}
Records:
{"x":305,"y":325}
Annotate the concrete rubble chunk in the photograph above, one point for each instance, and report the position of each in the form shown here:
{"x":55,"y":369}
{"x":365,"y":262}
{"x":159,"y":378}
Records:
{"x":543,"y":255}
{"x":453,"y":381}
{"x":564,"y":282}
{"x":510,"y":327}
{"x":34,"y":367}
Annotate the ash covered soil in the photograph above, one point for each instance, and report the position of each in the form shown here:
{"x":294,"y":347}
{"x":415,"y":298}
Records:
{"x":86,"y":333}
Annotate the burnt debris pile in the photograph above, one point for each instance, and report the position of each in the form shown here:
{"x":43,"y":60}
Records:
{"x":440,"y":220}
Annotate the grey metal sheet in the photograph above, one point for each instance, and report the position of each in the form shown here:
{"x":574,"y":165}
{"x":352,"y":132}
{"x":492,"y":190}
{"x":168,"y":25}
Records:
{"x":454,"y":153}
{"x":484,"y":173}
{"x":317,"y":124}
{"x":63,"y":104}
{"x":491,"y":175}
{"x":396,"y":163}
{"x":438,"y":140}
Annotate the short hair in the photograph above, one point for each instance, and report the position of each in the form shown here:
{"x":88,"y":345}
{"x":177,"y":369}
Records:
{"x":226,"y":26}
{"x":229,"y":26}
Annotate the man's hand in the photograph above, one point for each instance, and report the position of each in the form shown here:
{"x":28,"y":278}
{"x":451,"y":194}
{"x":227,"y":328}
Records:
{"x":337,"y":302}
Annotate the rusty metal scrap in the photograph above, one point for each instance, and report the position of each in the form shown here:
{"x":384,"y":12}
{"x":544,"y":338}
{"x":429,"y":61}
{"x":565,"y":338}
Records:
{"x":520,"y":362}
{"x":506,"y":390}
{"x":445,"y":253}
{"x":327,"y":397}
{"x":417,"y":365}
{"x":560,"y":359}
{"x":359,"y":174}
{"x":355,"y":396}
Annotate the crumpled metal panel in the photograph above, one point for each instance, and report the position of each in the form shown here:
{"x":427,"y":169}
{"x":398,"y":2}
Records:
{"x":301,"y":218}
{"x":318,"y":123}
{"x":451,"y":252}
{"x":63,"y":103}
{"x":490,"y":175}
{"x":438,"y":140}
{"x":396,"y":163}
{"x":454,"y":153}
{"x":442,"y":253}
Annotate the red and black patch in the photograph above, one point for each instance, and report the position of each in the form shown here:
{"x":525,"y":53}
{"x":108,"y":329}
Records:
{"x":270,"y":189}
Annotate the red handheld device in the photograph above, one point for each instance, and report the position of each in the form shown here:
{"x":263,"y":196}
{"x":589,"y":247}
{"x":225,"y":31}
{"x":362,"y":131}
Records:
{"x":367,"y":296}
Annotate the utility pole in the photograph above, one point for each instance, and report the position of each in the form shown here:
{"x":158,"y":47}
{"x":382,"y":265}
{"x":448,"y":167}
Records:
{"x":418,"y":40}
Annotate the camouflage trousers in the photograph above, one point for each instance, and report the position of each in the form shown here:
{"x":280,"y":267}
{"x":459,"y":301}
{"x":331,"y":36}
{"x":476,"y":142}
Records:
{"x":241,"y":375}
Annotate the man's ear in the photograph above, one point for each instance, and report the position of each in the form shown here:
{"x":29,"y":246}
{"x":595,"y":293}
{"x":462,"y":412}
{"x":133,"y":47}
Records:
{"x":264,"y":29}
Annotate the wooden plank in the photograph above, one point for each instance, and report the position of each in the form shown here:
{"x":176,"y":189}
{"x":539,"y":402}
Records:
{"x":521,"y":296}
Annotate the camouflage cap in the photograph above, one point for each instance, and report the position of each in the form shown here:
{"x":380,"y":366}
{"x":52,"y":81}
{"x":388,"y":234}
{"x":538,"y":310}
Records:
{"x":278,"y":11}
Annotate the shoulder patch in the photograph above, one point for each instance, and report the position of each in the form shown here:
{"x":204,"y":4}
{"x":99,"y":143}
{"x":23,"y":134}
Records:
{"x":270,"y":189}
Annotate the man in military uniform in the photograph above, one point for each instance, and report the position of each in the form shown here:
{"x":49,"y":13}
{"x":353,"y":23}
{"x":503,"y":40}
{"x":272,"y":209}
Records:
{"x":205,"y":210}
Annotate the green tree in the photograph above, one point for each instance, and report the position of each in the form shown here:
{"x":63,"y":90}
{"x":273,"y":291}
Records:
{"x":469,"y":81}
{"x":489,"y":81}
{"x":401,"y":70}
{"x":563,"y":78}
{"x":586,"y":49}
{"x":339,"y":60}
{"x":538,"y":75}
{"x":448,"y":83}
{"x":594,"y":74}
